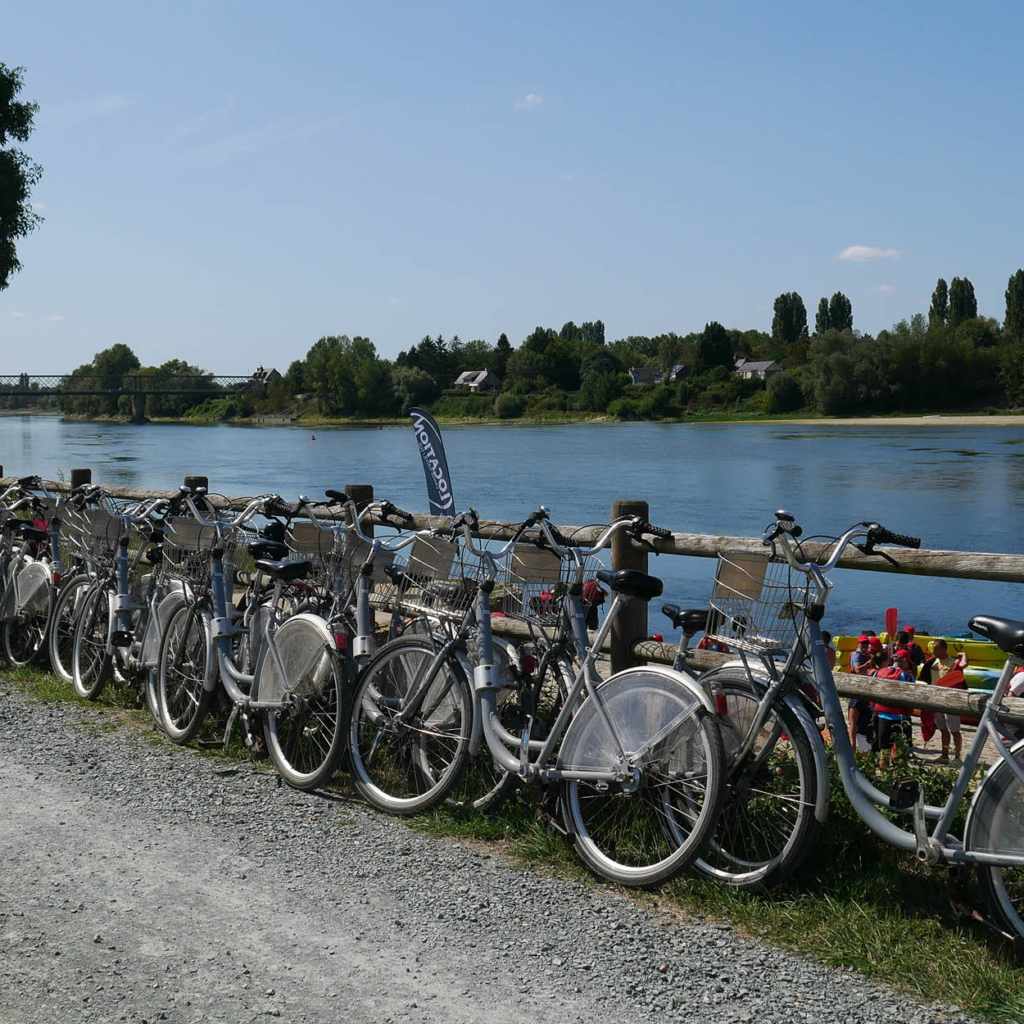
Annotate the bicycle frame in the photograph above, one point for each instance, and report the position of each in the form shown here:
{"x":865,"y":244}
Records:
{"x":867,"y":800}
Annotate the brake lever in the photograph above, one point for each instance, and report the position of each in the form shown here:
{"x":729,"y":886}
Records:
{"x":869,"y":549}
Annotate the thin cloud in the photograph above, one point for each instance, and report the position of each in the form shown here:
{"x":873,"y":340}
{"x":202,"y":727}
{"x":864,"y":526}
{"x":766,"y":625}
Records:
{"x":18,"y":315}
{"x":394,"y":302}
{"x":568,"y":177}
{"x":267,"y":136}
{"x":801,"y":259}
{"x":865,"y":253}
{"x":530,"y":102}
{"x":90,"y":108}
{"x":884,"y":288}
{"x":202,"y":121}
{"x":54,"y":318}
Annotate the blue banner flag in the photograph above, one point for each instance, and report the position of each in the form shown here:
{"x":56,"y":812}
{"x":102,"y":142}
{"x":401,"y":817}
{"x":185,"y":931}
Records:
{"x":435,"y":465}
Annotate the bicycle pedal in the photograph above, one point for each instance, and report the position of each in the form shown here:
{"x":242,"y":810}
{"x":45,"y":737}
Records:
{"x":904,"y":794}
{"x":210,"y":744}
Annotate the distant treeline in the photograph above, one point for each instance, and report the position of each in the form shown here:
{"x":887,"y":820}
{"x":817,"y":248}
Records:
{"x":948,"y":359}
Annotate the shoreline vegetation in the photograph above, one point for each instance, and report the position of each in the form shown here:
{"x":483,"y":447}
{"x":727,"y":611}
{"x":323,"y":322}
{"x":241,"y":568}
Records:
{"x":983,"y":418}
{"x":951,"y":362}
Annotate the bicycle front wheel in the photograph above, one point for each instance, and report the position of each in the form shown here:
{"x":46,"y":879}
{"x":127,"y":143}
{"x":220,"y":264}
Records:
{"x":185,"y":665}
{"x":768,"y":824}
{"x":304,"y":738}
{"x":406,"y":766}
{"x":995,"y":825}
{"x":653,"y":814}
{"x":90,"y":662}
{"x":67,"y":609}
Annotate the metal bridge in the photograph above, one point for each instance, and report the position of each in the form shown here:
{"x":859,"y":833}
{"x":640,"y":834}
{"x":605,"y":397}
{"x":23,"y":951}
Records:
{"x":38,"y":385}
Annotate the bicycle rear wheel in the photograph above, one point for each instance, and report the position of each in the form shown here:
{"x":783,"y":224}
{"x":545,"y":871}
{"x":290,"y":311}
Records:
{"x":90,"y":662}
{"x":768,"y":824}
{"x":407,"y":767}
{"x":305,"y":739}
{"x":650,"y":824}
{"x":996,"y":825}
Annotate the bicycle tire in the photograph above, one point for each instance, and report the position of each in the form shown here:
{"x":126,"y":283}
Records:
{"x":995,"y":824}
{"x":60,"y":638}
{"x":306,"y":740}
{"x":24,"y":638}
{"x":409,"y":768}
{"x":185,"y":665}
{"x":768,"y":824}
{"x":91,"y":666}
{"x":646,"y":830}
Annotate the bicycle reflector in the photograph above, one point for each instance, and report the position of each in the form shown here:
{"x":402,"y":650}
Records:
{"x":341,"y":641}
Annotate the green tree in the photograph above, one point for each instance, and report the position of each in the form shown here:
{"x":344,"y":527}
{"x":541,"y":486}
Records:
{"x":525,"y":371}
{"x":790,"y":319}
{"x":715,"y":348}
{"x":821,"y":321}
{"x":295,"y":378}
{"x":412,"y":388}
{"x":599,"y":389}
{"x":783,"y":394}
{"x":562,"y":366}
{"x":499,"y":356}
{"x":593,"y":332}
{"x":17,"y":172}
{"x":962,"y":303}
{"x":1013,"y":323}
{"x":840,"y":312}
{"x":938,"y":312}
{"x":539,"y":339}
{"x":601,"y":360}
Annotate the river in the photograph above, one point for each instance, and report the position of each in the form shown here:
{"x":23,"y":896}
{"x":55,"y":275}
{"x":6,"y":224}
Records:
{"x":957,"y":487}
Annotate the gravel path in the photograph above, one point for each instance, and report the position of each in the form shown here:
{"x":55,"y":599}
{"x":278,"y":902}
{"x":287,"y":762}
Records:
{"x":143,"y":882}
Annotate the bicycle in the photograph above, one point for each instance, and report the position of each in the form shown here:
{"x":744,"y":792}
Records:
{"x":993,"y":840}
{"x":639,"y":764}
{"x":295,"y":689}
{"x":123,"y":610}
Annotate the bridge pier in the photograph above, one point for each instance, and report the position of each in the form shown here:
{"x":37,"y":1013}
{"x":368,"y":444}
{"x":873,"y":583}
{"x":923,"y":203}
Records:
{"x":138,"y":408}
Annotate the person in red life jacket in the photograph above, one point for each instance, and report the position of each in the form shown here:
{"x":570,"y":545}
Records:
{"x":889,"y":717}
{"x":593,"y":598}
{"x":912,"y":645}
{"x":942,"y":670}
{"x":705,"y":644}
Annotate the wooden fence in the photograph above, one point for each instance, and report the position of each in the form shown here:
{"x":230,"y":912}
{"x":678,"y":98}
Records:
{"x":629,"y":643}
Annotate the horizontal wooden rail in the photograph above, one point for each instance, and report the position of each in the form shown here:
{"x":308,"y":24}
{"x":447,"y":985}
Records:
{"x":965,"y":703}
{"x":970,"y":565}
{"x":949,"y":564}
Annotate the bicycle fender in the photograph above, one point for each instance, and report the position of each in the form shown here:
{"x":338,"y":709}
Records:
{"x":1016,"y":749}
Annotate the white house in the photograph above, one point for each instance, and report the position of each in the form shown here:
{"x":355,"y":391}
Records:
{"x":477,"y":380}
{"x":757,"y":370}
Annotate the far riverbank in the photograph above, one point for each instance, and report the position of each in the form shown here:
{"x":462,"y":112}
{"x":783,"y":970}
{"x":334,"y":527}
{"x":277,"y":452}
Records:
{"x":566,"y":419}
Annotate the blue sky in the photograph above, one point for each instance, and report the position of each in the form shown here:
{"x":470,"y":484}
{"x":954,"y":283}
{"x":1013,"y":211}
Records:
{"x":228,"y":181}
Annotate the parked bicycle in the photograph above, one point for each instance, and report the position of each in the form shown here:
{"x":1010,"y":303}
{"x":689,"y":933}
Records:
{"x":639,"y":764}
{"x":789,"y":590}
{"x":294,"y":692}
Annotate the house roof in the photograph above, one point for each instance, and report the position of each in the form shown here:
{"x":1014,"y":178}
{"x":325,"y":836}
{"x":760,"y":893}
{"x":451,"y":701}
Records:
{"x":471,"y":377}
{"x":645,"y":374}
{"x":747,"y":364}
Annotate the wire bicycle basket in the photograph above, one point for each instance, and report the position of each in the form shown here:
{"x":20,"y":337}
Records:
{"x":320,"y":547}
{"x":438,"y":578}
{"x":189,"y":545}
{"x":755,"y":605}
{"x":535,"y":581}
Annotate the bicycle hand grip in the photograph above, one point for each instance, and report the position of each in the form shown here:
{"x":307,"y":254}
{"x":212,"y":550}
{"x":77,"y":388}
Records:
{"x":884,"y":536}
{"x":388,"y":509}
{"x":654,"y":531}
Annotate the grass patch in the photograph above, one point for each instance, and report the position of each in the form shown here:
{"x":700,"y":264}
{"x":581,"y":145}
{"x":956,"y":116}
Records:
{"x":856,"y":903}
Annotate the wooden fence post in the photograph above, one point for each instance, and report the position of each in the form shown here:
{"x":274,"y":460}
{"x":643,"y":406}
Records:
{"x":362,"y":495}
{"x":631,"y":624}
{"x":80,"y":476}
